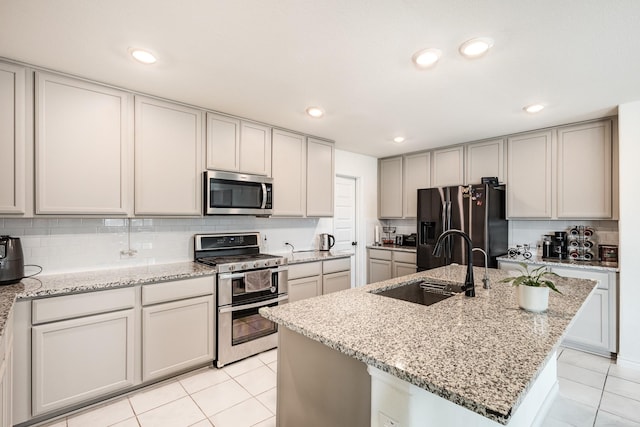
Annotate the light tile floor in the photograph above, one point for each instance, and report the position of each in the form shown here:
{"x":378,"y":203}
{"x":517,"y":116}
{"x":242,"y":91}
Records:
{"x":594,"y":392}
{"x":242,"y":394}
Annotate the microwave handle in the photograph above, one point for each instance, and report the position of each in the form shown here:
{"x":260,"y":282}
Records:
{"x":264,"y":196}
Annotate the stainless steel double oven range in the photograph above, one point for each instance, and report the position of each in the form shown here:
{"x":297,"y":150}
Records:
{"x":246,"y":281}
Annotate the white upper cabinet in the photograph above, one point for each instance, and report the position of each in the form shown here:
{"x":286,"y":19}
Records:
{"x":529,"y":175}
{"x":417,"y":174}
{"x":12,"y":139}
{"x":584,"y":171}
{"x":448,"y":167}
{"x":289,"y":161}
{"x":83,"y":148}
{"x":168,"y":158}
{"x":485,"y":159}
{"x":390,"y":188}
{"x":237,"y":145}
{"x":255,"y":148}
{"x":320,"y":178}
{"x":223,"y":142}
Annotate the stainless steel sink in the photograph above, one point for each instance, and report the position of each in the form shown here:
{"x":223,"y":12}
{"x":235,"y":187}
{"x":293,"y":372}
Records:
{"x":421,"y":292}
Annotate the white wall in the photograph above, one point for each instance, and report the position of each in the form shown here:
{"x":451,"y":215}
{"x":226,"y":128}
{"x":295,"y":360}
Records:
{"x":63,"y":245}
{"x":629,"y":143}
{"x":365,"y":170}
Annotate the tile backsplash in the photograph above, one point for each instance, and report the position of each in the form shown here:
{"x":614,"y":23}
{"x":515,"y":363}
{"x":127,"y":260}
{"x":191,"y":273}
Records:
{"x":62,"y":245}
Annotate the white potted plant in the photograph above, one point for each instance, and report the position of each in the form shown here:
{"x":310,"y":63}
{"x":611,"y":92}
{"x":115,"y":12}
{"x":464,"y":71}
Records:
{"x":533,"y":287}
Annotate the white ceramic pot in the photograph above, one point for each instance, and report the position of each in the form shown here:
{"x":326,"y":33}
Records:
{"x":533,"y":298}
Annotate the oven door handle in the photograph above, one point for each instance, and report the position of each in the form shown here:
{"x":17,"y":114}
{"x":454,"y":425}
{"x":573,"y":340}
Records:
{"x":230,"y":309}
{"x":239,"y":275}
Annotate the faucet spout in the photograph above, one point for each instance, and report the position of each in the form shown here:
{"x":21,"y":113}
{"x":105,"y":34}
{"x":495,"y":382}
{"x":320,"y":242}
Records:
{"x":485,"y":279}
{"x":469,"y":286}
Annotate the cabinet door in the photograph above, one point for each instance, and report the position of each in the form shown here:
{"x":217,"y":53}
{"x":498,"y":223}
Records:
{"x":595,"y":327}
{"x":320,"y":178}
{"x":307,"y":287}
{"x":255,"y":149}
{"x":223,"y":142}
{"x":168,"y":158}
{"x":12,"y":139}
{"x":177,"y":335}
{"x":288,"y":162}
{"x":584,"y":171}
{"x":529,"y":176}
{"x":448,"y":167}
{"x":417,"y":174}
{"x":379,"y":270}
{"x":590,"y":328}
{"x":83,"y":148}
{"x":335,"y":282}
{"x":4,"y":393}
{"x":485,"y":159}
{"x":80,"y":359}
{"x":390,"y":188}
{"x":403,"y":268}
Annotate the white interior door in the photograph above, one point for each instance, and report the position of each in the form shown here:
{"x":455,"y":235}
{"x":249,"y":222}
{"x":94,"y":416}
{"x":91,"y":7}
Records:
{"x":344,"y":219}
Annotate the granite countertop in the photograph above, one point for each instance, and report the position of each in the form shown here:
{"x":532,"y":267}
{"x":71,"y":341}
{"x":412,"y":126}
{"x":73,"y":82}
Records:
{"x":393,"y":248}
{"x":63,"y":284}
{"x":587,"y":265}
{"x":482,"y":353}
{"x":312,"y":255}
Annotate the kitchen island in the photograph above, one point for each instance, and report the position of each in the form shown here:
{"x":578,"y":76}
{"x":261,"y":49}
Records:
{"x":490,"y":359}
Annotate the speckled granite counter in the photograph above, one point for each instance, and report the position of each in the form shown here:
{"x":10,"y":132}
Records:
{"x":482,"y":353}
{"x":587,"y":265}
{"x":61,"y":284}
{"x":411,"y":249}
{"x":310,"y":256}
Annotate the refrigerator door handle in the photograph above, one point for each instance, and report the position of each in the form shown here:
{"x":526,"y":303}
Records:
{"x":449,"y":245}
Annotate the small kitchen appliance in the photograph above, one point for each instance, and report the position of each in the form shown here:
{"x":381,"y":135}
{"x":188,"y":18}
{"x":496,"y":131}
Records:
{"x":11,"y":260}
{"x":246,"y":281}
{"x":559,"y":245}
{"x":327,"y":241}
{"x":228,"y":193}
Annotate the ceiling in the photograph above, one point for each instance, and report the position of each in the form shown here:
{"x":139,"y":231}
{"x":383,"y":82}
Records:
{"x":270,"y":59}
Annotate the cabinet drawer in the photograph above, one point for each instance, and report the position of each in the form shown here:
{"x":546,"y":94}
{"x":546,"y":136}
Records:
{"x":307,"y":269}
{"x":70,"y":306}
{"x":407,"y":257}
{"x":175,"y":290}
{"x":335,"y":265}
{"x":379,"y":254}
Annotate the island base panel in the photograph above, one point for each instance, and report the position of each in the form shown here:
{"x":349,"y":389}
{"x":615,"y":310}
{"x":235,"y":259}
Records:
{"x":319,"y":386}
{"x":411,"y":406}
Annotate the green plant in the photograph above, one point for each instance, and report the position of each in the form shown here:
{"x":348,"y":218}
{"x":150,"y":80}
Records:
{"x":534,"y":278}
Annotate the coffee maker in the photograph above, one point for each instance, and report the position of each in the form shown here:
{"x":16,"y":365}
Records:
{"x":11,"y":260}
{"x":555,"y":245}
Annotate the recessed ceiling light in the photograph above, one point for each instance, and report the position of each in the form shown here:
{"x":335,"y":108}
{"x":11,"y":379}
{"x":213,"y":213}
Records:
{"x":315,"y":112}
{"x":426,"y":58}
{"x":143,"y":56}
{"x":475,"y":48}
{"x":398,"y":139}
{"x":533,"y":108}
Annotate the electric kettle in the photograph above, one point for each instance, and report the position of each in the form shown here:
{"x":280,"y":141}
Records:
{"x":11,"y":260}
{"x":326,"y":241}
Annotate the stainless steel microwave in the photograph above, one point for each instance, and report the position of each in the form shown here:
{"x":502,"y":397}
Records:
{"x":229,"y":193}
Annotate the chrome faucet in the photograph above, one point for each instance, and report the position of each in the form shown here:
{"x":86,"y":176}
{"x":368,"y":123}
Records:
{"x":469,"y":287}
{"x":485,"y":279}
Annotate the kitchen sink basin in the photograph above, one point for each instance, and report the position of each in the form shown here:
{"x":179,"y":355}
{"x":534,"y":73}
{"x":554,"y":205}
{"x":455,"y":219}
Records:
{"x":421,"y":292}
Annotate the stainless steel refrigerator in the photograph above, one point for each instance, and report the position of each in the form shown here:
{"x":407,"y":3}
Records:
{"x":478,"y":210}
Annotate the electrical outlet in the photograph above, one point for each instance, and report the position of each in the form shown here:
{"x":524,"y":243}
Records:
{"x":387,"y":421}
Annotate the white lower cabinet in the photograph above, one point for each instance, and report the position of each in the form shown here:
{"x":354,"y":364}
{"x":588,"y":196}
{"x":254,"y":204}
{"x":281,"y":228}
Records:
{"x":311,"y":279}
{"x":385,"y":264}
{"x":179,"y":334}
{"x":595,"y":327}
{"x":79,"y":359}
{"x":6,"y":374}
